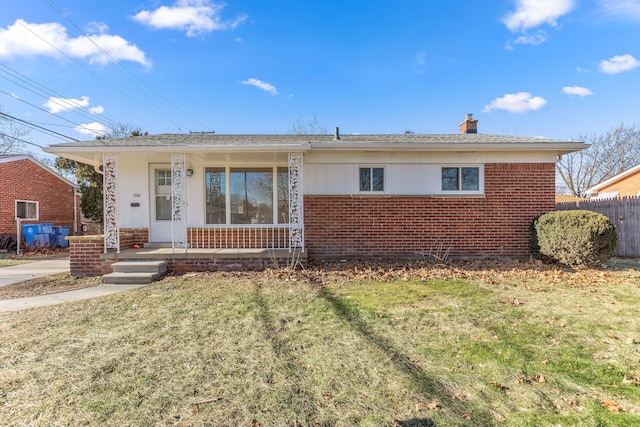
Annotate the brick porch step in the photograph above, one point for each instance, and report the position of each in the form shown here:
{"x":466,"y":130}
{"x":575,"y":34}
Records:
{"x":135,"y":272}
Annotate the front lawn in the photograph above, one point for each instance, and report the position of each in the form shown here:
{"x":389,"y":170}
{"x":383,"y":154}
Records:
{"x":518,"y":344}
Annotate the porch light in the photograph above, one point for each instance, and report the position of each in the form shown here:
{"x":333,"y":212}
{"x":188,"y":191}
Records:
{"x":189,"y":172}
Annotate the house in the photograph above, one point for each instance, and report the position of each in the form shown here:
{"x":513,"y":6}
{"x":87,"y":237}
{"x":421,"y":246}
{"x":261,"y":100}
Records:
{"x":31,"y":192}
{"x":624,"y":184}
{"x":327,"y":196}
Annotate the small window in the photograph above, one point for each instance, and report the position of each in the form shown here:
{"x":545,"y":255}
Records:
{"x":460,"y":179}
{"x":26,"y":209}
{"x":371,"y":179}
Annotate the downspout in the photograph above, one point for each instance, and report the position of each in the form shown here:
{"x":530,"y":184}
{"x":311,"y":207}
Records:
{"x":76,"y":193}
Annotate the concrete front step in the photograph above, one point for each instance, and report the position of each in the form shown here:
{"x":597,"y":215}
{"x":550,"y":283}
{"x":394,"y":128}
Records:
{"x":140,"y":267}
{"x":129,"y":278}
{"x":135,"y":272}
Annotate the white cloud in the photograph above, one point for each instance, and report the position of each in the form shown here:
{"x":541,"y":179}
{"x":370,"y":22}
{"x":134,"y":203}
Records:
{"x":92,"y":129}
{"x":576,"y":90}
{"x":420,"y":59}
{"x":622,"y":8}
{"x":533,"y":13}
{"x":267,"y":87}
{"x":618,"y":64}
{"x":51,"y":39}
{"x":96,"y":27}
{"x":196,"y":17}
{"x":516,"y":103}
{"x":97,"y":110}
{"x":56,"y":105}
{"x":534,"y":40}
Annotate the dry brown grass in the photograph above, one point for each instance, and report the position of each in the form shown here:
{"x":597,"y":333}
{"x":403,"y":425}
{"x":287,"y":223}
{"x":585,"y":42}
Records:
{"x":350,"y":344}
{"x":62,"y":282}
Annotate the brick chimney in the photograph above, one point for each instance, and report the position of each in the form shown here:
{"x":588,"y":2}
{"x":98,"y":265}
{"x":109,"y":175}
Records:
{"x":469,"y":125}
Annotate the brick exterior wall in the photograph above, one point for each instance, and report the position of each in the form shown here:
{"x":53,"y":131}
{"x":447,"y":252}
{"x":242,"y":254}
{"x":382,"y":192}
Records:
{"x":628,"y":186}
{"x":137,"y":236}
{"x":84,"y":256}
{"x":26,"y":180}
{"x":494,"y":225}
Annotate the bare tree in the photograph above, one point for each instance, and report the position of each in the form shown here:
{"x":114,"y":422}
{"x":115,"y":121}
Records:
{"x":610,"y":153}
{"x":307,"y":126}
{"x":11,"y":137}
{"x":121,"y":130}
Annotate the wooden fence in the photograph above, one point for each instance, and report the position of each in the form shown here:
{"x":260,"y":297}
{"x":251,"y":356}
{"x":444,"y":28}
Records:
{"x":623,"y":212}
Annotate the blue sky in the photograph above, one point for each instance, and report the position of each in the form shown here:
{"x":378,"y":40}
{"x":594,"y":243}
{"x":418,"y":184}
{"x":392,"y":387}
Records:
{"x":552,"y":68}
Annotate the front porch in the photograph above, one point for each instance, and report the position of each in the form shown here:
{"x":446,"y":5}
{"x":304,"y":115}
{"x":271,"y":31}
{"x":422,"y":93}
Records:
{"x":89,"y":258}
{"x":196,"y":260}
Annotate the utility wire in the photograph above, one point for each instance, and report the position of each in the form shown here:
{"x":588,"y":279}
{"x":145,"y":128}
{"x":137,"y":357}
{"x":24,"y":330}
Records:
{"x":36,"y":127}
{"x":124,"y":69}
{"x":4,"y":135}
{"x":48,"y":112}
{"x":90,"y":71}
{"x":47,"y":92}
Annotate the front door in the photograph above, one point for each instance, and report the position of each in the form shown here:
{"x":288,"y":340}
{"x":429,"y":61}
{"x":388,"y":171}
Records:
{"x":161,"y":203}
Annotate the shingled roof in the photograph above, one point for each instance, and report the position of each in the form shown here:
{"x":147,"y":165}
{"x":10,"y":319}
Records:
{"x":301,"y":141}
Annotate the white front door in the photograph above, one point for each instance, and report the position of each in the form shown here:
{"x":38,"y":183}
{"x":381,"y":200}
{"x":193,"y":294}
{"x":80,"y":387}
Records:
{"x":161,"y":203}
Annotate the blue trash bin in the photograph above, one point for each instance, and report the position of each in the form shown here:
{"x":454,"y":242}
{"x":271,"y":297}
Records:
{"x":37,"y":234}
{"x":58,"y":236}
{"x":45,"y":228}
{"x":29,"y":232}
{"x":41,"y":240}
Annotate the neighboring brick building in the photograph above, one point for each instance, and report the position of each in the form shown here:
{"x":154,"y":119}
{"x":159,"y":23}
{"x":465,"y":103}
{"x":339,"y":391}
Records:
{"x":36,"y":194}
{"x":335,"y":196}
{"x":624,"y":184}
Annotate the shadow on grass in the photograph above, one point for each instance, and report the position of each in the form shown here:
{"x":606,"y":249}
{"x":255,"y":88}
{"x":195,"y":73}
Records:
{"x":299,"y":398}
{"x":623,"y":264}
{"x":425,"y":384}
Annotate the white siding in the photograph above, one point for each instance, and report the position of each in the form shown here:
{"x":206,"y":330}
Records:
{"x":406,"y":173}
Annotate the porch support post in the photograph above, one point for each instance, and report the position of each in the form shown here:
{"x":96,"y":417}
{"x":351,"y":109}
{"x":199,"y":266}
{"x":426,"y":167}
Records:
{"x":179,"y":202}
{"x":296,"y":200}
{"x":110,"y":192}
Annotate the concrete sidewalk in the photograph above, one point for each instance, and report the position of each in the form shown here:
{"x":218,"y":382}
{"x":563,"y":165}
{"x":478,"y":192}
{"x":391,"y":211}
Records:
{"x":53,"y":299}
{"x":23,"y":272}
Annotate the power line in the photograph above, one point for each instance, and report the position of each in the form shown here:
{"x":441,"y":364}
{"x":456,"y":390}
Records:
{"x":4,"y":135}
{"x":91,"y":72}
{"x":123,"y":68}
{"x":48,"y":112}
{"x":36,"y":127}
{"x":43,"y":89}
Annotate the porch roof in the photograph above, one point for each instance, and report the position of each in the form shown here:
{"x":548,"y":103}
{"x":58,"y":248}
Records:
{"x":91,"y":151}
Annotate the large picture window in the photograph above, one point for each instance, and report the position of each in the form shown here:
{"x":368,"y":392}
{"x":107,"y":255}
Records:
{"x":26,"y":209}
{"x":461,"y":179}
{"x":247,"y":196}
{"x":251,"y":196}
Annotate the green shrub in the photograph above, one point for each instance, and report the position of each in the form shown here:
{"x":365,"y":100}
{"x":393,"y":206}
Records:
{"x":575,"y":237}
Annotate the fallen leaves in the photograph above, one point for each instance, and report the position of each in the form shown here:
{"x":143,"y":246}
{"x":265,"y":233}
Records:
{"x":611,"y":406}
{"x":633,"y":380}
{"x":513,"y":273}
{"x":498,"y":386}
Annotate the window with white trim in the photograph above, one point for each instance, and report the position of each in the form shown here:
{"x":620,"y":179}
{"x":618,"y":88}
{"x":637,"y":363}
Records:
{"x":253,"y":196}
{"x":461,"y":179}
{"x":26,"y":209}
{"x":371,"y":179}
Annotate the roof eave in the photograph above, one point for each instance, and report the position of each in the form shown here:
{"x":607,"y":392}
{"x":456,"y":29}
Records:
{"x":613,"y":180}
{"x":556,"y":147}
